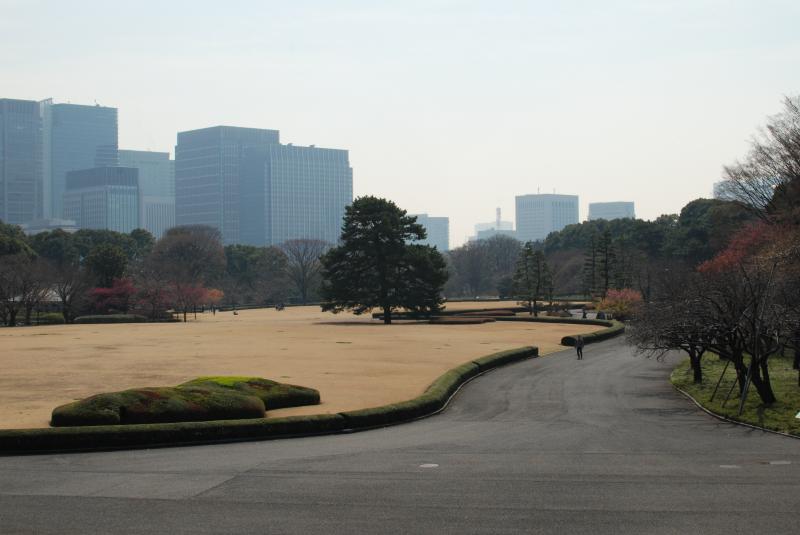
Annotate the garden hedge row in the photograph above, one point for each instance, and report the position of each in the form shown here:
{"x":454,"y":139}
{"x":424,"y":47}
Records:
{"x":612,"y":327}
{"x":111,"y":318}
{"x":103,"y":437}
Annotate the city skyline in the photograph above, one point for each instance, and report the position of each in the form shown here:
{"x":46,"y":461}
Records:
{"x":637,"y":101}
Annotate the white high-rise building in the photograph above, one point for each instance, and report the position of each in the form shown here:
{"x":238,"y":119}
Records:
{"x":438,"y":230}
{"x":611,"y":210}
{"x":539,"y":215}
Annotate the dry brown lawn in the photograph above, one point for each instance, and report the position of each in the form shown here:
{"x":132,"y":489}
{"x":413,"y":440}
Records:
{"x":353,"y":361}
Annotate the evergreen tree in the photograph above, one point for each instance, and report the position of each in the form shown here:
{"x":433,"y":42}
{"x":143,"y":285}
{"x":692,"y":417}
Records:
{"x":590,"y":267}
{"x":375,"y":267}
{"x":531,"y":277}
{"x":606,"y":261}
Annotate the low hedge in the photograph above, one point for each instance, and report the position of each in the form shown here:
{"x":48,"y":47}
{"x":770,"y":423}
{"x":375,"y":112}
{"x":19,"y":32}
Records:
{"x":202,"y":399}
{"x":460,"y":320}
{"x":102,"y":437}
{"x":111,"y":318}
{"x":49,"y":318}
{"x":437,"y":394}
{"x":612,"y":327}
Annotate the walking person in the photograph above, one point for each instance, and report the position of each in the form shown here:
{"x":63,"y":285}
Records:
{"x":579,"y":347}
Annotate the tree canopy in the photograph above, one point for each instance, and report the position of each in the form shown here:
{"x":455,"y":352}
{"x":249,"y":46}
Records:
{"x":376,"y":266}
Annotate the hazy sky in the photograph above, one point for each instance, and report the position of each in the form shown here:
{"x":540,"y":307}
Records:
{"x":447,"y":107}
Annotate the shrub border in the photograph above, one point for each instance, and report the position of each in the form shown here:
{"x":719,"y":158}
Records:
{"x":112,"y":437}
{"x":612,"y":327}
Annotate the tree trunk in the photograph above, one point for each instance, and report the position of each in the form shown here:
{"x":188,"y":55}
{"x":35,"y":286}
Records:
{"x":387,"y":315}
{"x":535,"y":312}
{"x":696,"y":368}
{"x":763,"y":386}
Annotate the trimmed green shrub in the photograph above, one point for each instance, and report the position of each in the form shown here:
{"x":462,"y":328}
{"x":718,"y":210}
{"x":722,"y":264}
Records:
{"x":203,"y":399}
{"x":489,"y":313}
{"x":436,"y":395}
{"x":165,"y":434}
{"x":616,"y":328}
{"x":274,"y":395}
{"x":458,"y":320}
{"x":49,"y":318}
{"x":111,"y":318}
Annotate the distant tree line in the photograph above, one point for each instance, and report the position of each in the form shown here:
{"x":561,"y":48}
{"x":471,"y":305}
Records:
{"x":590,"y":258}
{"x":102,"y":271}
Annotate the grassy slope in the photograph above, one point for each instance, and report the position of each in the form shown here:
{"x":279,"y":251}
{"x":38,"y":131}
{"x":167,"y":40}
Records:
{"x":779,"y":417}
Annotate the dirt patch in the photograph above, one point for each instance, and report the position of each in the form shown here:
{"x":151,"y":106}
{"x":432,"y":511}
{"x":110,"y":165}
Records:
{"x":353,"y":361}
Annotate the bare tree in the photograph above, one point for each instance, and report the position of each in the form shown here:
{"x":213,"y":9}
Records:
{"x":303,"y":266}
{"x":70,"y":282}
{"x":768,"y":180}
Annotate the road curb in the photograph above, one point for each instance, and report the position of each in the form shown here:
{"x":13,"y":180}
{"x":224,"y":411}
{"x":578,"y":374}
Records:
{"x":729,"y":420}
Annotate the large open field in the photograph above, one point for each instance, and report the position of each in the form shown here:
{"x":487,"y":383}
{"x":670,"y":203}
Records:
{"x":353,"y":361}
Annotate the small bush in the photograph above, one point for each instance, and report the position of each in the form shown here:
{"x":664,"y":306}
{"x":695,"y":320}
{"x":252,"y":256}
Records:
{"x":49,"y":318}
{"x":111,"y":318}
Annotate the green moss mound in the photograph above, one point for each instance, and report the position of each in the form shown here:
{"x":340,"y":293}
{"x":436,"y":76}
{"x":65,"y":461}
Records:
{"x":274,"y":395}
{"x":203,"y":399}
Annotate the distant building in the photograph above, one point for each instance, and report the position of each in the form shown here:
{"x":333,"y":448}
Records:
{"x":156,"y":188}
{"x":20,"y":161}
{"x":75,"y":137}
{"x":293,"y":192}
{"x":207,"y":176}
{"x":539,"y":215}
{"x":611,"y":210}
{"x":492,"y":232}
{"x":498,"y":227}
{"x":46,"y":225}
{"x":103,"y":198}
{"x":437,"y":229}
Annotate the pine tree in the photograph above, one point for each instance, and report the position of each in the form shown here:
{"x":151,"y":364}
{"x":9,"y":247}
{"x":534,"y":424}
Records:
{"x":531,"y":277}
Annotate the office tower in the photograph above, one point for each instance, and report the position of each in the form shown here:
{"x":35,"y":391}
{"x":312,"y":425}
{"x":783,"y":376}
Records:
{"x":611,"y":210}
{"x":156,"y":188}
{"x":437,"y":229}
{"x":20,"y":161}
{"x":207,"y":175}
{"x":103,"y":198}
{"x":292,"y":192}
{"x":539,"y":215}
{"x":75,"y":137}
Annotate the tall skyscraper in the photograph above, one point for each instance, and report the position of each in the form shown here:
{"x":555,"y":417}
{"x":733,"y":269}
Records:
{"x":75,"y":137}
{"x":207,"y":175}
{"x":103,"y":198}
{"x":611,"y":210}
{"x":292,"y":192}
{"x":156,"y":188}
{"x":20,"y":161}
{"x":539,"y":215}
{"x":438,"y":230}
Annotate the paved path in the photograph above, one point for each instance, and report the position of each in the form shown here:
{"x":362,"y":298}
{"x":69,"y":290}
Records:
{"x":551,"y":445}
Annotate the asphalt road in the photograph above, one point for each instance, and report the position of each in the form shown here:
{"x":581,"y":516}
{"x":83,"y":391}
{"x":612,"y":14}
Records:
{"x":551,"y":445}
